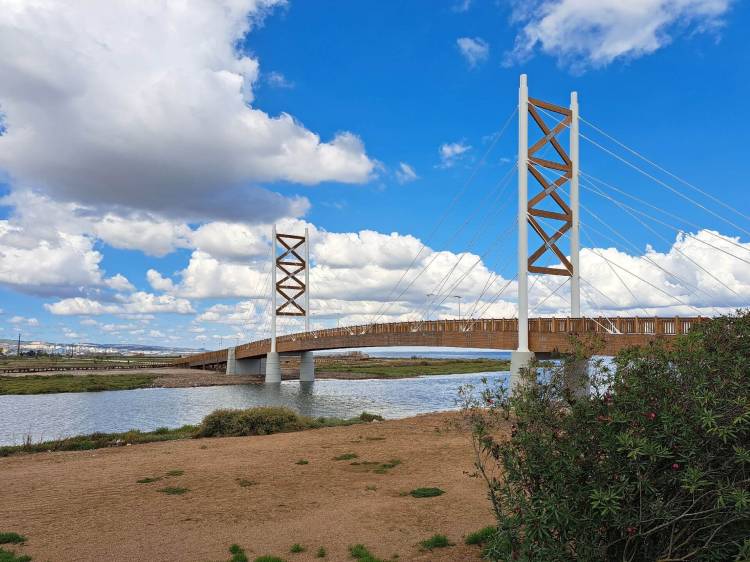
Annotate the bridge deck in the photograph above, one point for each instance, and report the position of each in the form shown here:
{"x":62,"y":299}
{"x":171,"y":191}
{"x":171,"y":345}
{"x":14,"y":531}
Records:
{"x":545,"y":335}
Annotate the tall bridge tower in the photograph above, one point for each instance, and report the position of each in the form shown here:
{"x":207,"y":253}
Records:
{"x":545,"y":206}
{"x":293,"y":260}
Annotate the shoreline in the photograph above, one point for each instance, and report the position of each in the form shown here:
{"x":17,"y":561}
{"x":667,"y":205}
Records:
{"x":54,"y":382}
{"x":253,"y":491}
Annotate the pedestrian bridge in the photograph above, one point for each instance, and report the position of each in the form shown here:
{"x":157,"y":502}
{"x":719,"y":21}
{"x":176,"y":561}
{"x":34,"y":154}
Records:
{"x":546,"y":335}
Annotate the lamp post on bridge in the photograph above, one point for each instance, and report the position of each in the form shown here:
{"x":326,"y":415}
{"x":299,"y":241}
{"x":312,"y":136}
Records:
{"x":459,"y":297}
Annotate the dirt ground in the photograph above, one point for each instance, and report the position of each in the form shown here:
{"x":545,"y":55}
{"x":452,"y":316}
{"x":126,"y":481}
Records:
{"x":87,"y":506}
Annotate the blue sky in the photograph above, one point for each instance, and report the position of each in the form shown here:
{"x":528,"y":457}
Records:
{"x":140,"y":179}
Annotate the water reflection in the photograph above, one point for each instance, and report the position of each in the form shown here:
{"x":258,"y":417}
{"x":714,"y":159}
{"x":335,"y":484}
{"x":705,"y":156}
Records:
{"x":52,"y":416}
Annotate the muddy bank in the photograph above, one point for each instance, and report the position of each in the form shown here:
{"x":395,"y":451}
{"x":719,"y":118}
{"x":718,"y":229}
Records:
{"x":253,"y":491}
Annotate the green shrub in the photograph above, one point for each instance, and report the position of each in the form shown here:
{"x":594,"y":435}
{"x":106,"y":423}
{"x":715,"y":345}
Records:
{"x":297,"y":547}
{"x":481,"y":537}
{"x":368,"y":417}
{"x":12,"y":538}
{"x":268,"y":559}
{"x":426,"y":492}
{"x":302,"y":461}
{"x":238,"y":554}
{"x":654,"y":465}
{"x":436,"y":541}
{"x":321,"y":553}
{"x":253,"y":421}
{"x":10,"y":556}
{"x":360,"y":552}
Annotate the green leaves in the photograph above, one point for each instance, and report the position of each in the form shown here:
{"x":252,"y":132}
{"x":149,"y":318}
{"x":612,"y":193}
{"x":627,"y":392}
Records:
{"x":655,"y":465}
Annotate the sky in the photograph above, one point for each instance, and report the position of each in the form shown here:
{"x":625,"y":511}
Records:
{"x":147,"y":148}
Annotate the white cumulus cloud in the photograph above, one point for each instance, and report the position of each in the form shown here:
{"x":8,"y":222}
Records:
{"x":474,"y":49}
{"x":593,"y":33}
{"x":147,"y":106}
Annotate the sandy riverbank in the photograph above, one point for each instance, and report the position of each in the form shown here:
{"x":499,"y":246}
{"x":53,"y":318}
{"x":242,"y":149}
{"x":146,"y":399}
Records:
{"x":87,"y":506}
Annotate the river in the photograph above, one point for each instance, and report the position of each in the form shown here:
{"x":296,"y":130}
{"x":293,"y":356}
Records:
{"x":54,"y":416}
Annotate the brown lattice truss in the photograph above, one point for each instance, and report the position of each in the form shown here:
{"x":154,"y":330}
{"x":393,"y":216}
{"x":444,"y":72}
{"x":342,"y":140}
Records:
{"x":290,"y":263}
{"x":562,"y":169}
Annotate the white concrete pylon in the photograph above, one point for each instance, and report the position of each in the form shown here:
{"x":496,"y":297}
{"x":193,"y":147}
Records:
{"x":523,"y":233}
{"x":575,"y":280}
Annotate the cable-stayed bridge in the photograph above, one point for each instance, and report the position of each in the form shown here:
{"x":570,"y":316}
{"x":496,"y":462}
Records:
{"x":552,"y":211}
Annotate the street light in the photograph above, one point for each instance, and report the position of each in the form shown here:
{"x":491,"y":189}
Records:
{"x":459,"y":297}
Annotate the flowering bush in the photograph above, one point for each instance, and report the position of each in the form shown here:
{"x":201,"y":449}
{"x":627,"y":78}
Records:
{"x":654,"y":465}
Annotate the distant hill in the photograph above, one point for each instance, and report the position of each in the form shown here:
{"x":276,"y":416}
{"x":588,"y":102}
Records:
{"x":8,"y":346}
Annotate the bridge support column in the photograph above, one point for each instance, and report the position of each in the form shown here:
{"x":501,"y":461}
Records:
{"x":243,"y":366}
{"x":273,"y":367}
{"x":519,"y":360}
{"x":576,"y":378}
{"x":307,"y":366}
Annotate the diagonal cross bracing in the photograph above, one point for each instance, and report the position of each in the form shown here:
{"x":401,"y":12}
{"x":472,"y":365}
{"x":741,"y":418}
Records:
{"x":549,"y":189}
{"x":290,"y":263}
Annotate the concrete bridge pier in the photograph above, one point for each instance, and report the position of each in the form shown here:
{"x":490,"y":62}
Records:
{"x":273,"y":367}
{"x":519,"y":360}
{"x":243,"y":366}
{"x":307,"y":366}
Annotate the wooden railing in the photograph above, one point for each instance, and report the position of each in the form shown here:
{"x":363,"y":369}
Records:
{"x":614,"y":326}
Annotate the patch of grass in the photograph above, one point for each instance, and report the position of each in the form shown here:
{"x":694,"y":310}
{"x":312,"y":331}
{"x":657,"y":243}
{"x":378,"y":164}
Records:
{"x":174,"y":490}
{"x":10,"y":556}
{"x":375,"y":438}
{"x":376,"y":466}
{"x":238,"y":554}
{"x":148,"y":480}
{"x":175,"y":473}
{"x":100,"y":441}
{"x":321,"y":553}
{"x":302,"y":461}
{"x":245,"y":483}
{"x":371,"y":488}
{"x":346,"y":457}
{"x":360,"y":552}
{"x":368,"y":417}
{"x":267,"y":558}
{"x":12,"y":538}
{"x":411,"y":368}
{"x":41,"y":384}
{"x":297,"y":547}
{"x":436,"y":541}
{"x":426,"y":492}
{"x":482,"y":536}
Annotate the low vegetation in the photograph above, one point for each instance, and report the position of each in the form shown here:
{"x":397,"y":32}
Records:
{"x":411,"y":368}
{"x":321,"y":553}
{"x":245,"y":483}
{"x":297,"y":548}
{"x":222,"y":423}
{"x":174,"y":490}
{"x":238,"y":554}
{"x":481,"y":537}
{"x":653,"y":465}
{"x":359,"y":552}
{"x":100,"y":440}
{"x":376,"y":466}
{"x":435,"y":541}
{"x":47,"y":384}
{"x":426,"y":492}
{"x":302,"y":462}
{"x":262,"y":421}
{"x":12,"y":538}
{"x":10,"y":556}
{"x":346,"y":457}
{"x":268,"y":559}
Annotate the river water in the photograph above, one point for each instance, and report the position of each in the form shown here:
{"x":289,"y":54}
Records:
{"x":54,"y":416}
